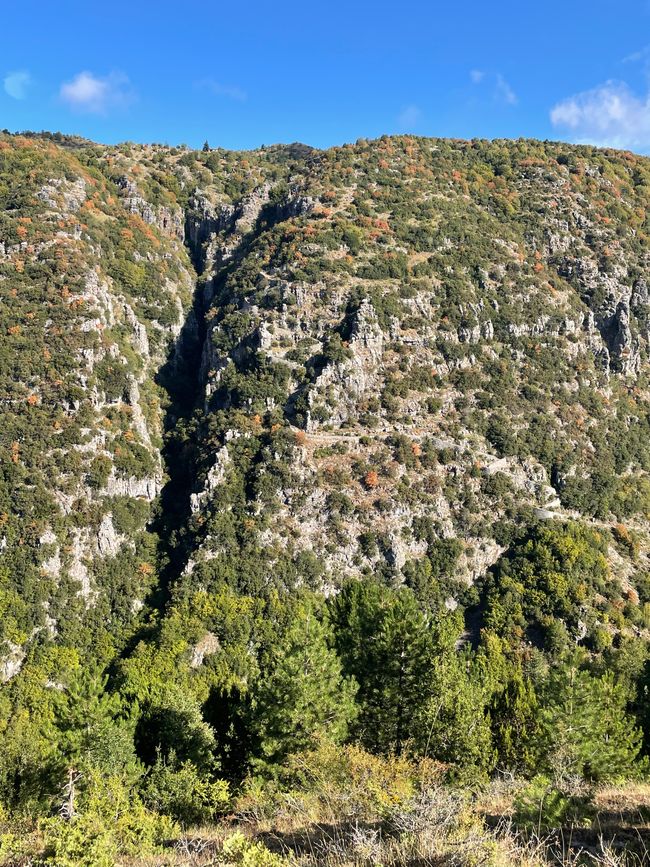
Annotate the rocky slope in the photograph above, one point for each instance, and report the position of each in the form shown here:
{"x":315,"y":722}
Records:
{"x":285,"y":367}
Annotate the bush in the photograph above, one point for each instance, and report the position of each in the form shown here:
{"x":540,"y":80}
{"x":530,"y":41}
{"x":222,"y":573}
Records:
{"x":339,"y":783}
{"x":238,"y":850}
{"x":182,"y":793}
{"x":541,"y":806}
{"x":111,"y":823}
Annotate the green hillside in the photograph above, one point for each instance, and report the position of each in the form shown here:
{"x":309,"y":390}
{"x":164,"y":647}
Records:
{"x":324,"y":499}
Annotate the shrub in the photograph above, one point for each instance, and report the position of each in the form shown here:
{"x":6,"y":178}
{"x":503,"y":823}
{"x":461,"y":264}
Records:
{"x":339,"y":783}
{"x":239,"y":850}
{"x":111,"y":822}
{"x":182,"y":793}
{"x":371,"y":479}
{"x":541,"y":806}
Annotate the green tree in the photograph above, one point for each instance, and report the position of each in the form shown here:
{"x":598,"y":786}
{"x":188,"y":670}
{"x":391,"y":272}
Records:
{"x":453,"y":726}
{"x":513,"y":711}
{"x":585,"y":728}
{"x":302,"y":695}
{"x":512,"y":702}
{"x":174,"y":725}
{"x":29,"y":766}
{"x":95,"y":736}
{"x":539,"y":587}
{"x":93,"y":724}
{"x":385,"y":643}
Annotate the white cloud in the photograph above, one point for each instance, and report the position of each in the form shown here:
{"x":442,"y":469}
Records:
{"x":409,"y":117}
{"x":477,"y":76}
{"x":608,"y":115}
{"x":503,"y":91}
{"x":89,"y":93}
{"x":229,"y":90}
{"x":16,"y":84}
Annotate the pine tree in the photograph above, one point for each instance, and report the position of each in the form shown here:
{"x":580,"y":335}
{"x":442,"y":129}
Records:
{"x":453,"y":726}
{"x":89,"y":721}
{"x":302,"y":696}
{"x":514,"y":711}
{"x":585,"y":727}
{"x":386,"y":644}
{"x":95,"y":737}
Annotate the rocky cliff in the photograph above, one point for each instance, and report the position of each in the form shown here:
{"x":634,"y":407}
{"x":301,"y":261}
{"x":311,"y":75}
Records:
{"x":285,"y":367}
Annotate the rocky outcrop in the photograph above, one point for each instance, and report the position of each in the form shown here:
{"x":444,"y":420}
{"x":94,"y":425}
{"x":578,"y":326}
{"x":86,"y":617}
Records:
{"x":204,"y":220}
{"x":216,"y":474}
{"x":623,"y":347}
{"x":109,"y":541}
{"x":146,"y":489}
{"x":11,"y":661}
{"x":346,"y":383}
{"x":63,"y":195}
{"x":169,"y":220}
{"x":207,"y":646}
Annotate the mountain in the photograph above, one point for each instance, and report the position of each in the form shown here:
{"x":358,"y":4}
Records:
{"x":232,"y":378}
{"x":364,"y":358}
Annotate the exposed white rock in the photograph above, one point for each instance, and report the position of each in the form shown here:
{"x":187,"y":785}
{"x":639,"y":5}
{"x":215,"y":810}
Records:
{"x":77,"y":569}
{"x":109,"y":541}
{"x":139,"y":336}
{"x":147,"y":488}
{"x":213,"y":479}
{"x":63,"y":195}
{"x":137,"y":416}
{"x":11,"y":661}
{"x":207,"y":646}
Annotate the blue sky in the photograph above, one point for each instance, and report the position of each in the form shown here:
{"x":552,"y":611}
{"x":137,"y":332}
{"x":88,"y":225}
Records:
{"x":244,"y":74}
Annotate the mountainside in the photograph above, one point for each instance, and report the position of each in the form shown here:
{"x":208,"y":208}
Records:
{"x":229,"y":380}
{"x":395,"y":352}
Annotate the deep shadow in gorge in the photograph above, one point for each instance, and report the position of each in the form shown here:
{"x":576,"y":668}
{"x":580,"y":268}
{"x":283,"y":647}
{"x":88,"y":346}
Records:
{"x":181,"y":377}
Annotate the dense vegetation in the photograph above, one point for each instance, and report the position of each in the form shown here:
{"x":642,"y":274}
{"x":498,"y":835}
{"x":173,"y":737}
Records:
{"x":324,"y":494}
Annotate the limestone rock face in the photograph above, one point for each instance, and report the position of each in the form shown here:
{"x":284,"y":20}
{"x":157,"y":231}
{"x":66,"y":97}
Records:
{"x":11,"y":661}
{"x":299,"y":366}
{"x":216,"y":475}
{"x":623,"y":347}
{"x":63,"y":194}
{"x":346,"y":383}
{"x":108,"y":540}
{"x":416,"y":390}
{"x":100,"y":285}
{"x":168,"y":220}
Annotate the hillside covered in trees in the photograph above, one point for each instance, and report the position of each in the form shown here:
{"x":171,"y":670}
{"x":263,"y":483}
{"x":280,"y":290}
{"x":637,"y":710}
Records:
{"x":324,"y":504}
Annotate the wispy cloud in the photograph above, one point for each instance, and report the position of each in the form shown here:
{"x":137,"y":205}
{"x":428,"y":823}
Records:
{"x":231,"y":91}
{"x":95,"y":95}
{"x":503,"y":92}
{"x":608,"y":115}
{"x":409,"y":117}
{"x":637,"y":56}
{"x":500,"y":89}
{"x":16,"y":84}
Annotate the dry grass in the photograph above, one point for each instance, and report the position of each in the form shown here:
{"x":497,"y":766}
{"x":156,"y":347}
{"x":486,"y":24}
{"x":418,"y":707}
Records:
{"x":436,"y":828}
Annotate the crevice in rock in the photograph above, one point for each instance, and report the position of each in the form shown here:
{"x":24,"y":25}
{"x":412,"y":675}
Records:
{"x":217,"y":241}
{"x":181,"y":380}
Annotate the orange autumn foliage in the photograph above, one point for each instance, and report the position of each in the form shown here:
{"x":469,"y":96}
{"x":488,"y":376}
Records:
{"x":371,"y":479}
